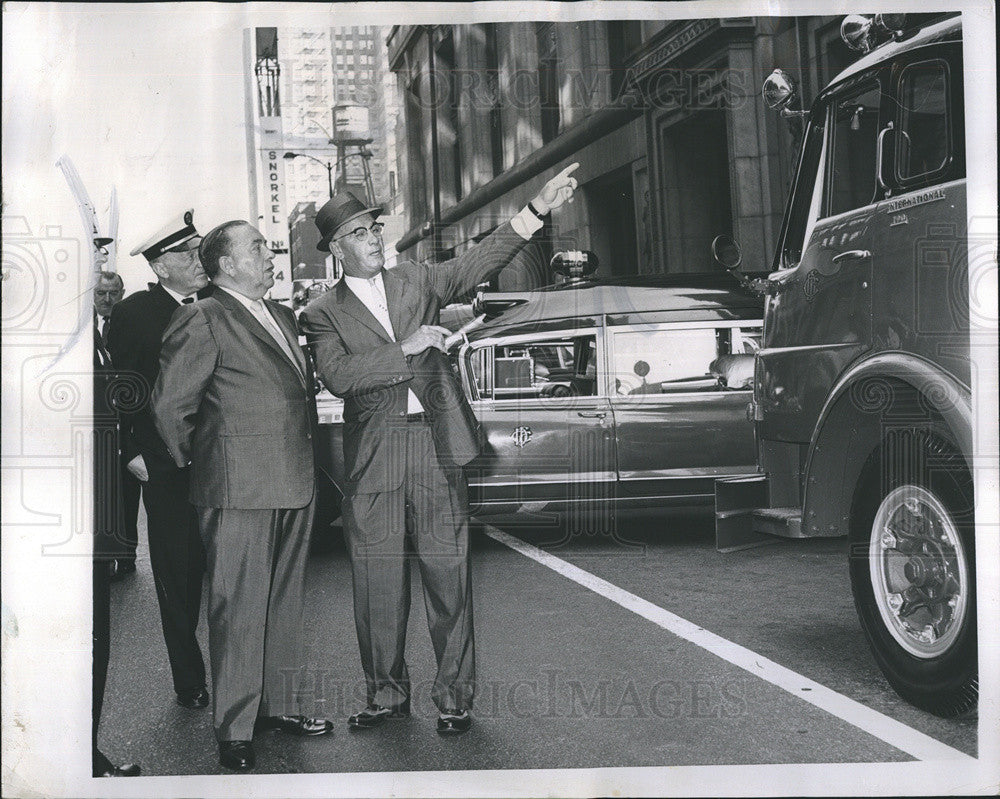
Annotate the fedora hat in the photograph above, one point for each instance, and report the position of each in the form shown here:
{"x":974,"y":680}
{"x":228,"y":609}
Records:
{"x":340,"y":208}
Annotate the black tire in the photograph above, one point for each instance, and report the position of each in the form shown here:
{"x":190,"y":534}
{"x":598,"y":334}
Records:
{"x":912,"y":567}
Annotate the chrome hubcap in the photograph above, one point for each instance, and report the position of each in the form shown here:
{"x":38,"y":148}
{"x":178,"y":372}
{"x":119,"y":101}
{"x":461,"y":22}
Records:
{"x":918,"y":571}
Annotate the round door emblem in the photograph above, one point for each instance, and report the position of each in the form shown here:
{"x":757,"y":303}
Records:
{"x":521,"y":436}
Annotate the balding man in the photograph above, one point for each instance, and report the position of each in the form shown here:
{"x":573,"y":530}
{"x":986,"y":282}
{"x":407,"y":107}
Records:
{"x":234,"y":398}
{"x":176,"y":554}
{"x":108,"y":292}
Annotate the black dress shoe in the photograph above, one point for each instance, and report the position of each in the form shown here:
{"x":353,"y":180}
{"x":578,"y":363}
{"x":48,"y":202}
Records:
{"x":453,"y":721}
{"x":124,"y":770}
{"x":119,"y":568}
{"x":196,"y":698}
{"x":293,"y":725}
{"x":105,"y":768}
{"x":237,"y":755}
{"x":376,"y":715}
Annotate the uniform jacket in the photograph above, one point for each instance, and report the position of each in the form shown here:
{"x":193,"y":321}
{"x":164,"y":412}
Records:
{"x":358,"y":361}
{"x":134,"y":336}
{"x":229,"y":401}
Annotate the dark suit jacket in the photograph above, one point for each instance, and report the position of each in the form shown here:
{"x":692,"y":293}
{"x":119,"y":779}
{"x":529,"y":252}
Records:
{"x":134,"y":336}
{"x":356,"y":360}
{"x":105,"y":453}
{"x":229,"y":401}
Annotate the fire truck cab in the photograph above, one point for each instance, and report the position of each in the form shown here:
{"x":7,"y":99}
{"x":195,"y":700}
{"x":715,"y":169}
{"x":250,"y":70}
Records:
{"x":862,"y":386}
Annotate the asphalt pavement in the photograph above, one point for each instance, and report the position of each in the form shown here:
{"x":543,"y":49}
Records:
{"x":567,"y":677}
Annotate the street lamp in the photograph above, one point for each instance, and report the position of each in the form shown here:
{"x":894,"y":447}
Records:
{"x":327,"y":164}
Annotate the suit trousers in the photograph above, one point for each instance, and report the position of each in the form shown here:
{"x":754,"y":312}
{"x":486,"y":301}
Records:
{"x":102,"y":646}
{"x":177,"y":559}
{"x":131,"y":488}
{"x":434,"y":500}
{"x":256,"y":568}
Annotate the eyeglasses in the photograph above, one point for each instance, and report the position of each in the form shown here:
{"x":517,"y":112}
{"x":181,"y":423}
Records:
{"x":361,"y":233}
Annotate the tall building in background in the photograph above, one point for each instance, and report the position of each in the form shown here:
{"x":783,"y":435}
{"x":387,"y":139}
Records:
{"x":265,"y":145}
{"x":323,"y":75}
{"x":664,"y":116}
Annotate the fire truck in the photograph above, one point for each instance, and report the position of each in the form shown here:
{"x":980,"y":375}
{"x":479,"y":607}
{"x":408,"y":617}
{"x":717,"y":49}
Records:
{"x":862,"y":400}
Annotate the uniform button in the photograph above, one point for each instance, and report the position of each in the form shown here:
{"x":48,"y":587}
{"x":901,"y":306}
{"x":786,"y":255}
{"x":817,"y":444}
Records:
{"x":402,"y":413}
{"x":309,"y":435}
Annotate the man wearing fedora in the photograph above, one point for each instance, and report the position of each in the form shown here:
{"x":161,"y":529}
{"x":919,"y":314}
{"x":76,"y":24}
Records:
{"x":176,"y":554}
{"x":408,"y":431}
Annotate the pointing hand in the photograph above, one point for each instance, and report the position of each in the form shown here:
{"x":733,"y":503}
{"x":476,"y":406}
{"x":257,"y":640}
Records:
{"x":557,"y":191}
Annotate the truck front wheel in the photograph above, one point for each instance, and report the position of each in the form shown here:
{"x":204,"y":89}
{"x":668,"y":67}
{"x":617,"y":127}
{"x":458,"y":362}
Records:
{"x":912,"y":567}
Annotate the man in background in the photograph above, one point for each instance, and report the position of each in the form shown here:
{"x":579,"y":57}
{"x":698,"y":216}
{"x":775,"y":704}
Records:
{"x":107,"y":544}
{"x":176,"y":554}
{"x":108,"y":292}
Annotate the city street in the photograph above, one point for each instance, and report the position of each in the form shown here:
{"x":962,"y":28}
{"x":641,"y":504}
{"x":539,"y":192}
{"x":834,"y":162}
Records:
{"x":595,"y":653}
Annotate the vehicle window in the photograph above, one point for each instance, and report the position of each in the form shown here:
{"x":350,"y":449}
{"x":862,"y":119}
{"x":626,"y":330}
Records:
{"x":804,"y":208}
{"x":853,"y":152}
{"x":923,"y":141}
{"x":667,"y":361}
{"x":534,"y":370}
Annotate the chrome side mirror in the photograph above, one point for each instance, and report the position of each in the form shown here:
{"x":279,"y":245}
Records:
{"x":726,"y":252}
{"x":779,"y":91}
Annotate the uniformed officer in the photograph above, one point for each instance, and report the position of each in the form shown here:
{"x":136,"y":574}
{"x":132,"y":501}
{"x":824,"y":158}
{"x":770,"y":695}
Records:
{"x":176,"y":553}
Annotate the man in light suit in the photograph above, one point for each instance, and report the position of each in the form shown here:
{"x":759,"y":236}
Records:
{"x":408,"y":431}
{"x":234,"y":399}
{"x":176,"y":555}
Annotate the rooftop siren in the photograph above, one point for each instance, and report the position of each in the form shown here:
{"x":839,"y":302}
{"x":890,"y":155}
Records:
{"x":864,"y":33}
{"x":574,"y":265}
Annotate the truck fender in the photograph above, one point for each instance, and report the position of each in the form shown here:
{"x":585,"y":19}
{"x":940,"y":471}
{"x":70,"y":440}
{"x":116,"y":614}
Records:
{"x":887,"y":390}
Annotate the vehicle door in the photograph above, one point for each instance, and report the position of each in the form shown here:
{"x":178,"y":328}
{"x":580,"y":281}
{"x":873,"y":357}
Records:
{"x":550,"y":431}
{"x":680,"y":397}
{"x":818,"y":318}
{"x":921,"y":289}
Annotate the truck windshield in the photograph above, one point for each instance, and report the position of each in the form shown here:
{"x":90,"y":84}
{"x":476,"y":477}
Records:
{"x":804,"y":204}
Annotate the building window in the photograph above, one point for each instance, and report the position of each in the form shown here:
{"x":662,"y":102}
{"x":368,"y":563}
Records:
{"x":493,"y":92}
{"x":624,"y":39}
{"x":548,"y":79}
{"x":418,"y":184}
{"x":448,"y":130}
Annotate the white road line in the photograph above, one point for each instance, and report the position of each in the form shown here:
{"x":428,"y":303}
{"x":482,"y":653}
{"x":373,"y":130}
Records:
{"x":886,"y":729}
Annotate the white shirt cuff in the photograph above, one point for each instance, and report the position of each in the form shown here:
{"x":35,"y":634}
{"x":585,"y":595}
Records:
{"x":526,"y":224}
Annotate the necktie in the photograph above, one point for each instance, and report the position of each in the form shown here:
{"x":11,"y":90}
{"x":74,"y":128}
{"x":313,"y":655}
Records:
{"x":187,"y":301}
{"x":376,"y":291}
{"x":272,"y":327}
{"x":105,"y":321}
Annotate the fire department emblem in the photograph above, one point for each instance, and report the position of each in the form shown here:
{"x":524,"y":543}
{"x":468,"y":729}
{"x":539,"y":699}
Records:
{"x":521,"y":436}
{"x":811,"y":285}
